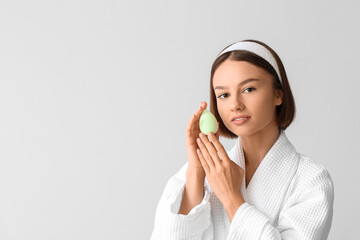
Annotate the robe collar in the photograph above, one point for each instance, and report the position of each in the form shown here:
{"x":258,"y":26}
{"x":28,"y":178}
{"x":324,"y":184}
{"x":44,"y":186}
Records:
{"x":268,"y":186}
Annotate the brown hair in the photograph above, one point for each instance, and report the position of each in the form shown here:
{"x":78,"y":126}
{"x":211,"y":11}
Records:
{"x":285,"y":113}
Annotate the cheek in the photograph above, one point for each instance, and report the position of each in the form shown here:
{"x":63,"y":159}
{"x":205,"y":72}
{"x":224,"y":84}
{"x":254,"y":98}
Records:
{"x":263,"y":106}
{"x":223,"y":113}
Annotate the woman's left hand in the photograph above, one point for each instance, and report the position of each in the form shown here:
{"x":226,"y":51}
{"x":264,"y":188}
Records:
{"x":224,"y":176}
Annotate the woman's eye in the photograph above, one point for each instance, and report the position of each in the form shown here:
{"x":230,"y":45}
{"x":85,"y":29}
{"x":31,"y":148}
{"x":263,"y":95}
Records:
{"x":250,"y":88}
{"x":222,"y":95}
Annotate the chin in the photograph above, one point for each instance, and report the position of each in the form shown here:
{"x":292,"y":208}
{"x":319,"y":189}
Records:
{"x":243,"y":131}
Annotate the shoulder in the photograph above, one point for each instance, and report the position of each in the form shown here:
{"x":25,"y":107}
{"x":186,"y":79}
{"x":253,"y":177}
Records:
{"x":311,"y":179}
{"x":311,"y":170}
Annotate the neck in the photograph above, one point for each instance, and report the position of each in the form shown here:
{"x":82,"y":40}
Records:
{"x":256,"y":146}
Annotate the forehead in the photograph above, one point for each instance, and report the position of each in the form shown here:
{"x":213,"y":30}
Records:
{"x":236,"y":71}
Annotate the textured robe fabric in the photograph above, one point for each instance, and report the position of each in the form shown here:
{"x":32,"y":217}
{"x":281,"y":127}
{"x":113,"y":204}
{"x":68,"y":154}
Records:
{"x":290,"y":196}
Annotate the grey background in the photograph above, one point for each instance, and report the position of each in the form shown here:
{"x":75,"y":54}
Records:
{"x":95,"y":97}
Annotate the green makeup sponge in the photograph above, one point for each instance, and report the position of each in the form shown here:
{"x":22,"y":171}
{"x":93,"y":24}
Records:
{"x":208,"y":122}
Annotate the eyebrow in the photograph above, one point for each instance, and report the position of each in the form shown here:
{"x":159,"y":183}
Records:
{"x":240,"y":84}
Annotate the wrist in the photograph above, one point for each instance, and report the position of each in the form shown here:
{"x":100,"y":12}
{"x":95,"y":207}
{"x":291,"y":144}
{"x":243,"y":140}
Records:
{"x":195,"y":175}
{"x":232,"y":204}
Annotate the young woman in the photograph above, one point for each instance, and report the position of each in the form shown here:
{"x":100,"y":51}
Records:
{"x":262,"y":188}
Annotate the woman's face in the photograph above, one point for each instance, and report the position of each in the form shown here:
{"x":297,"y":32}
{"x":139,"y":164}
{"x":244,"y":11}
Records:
{"x":242,"y":88}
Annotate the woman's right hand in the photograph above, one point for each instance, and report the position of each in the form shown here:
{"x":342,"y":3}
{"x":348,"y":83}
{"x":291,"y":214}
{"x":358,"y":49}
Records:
{"x":192,"y":133}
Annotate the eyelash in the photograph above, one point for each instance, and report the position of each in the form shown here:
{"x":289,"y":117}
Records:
{"x":244,"y":90}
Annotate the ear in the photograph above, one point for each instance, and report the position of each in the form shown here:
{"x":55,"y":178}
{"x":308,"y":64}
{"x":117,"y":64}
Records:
{"x":278,"y":97}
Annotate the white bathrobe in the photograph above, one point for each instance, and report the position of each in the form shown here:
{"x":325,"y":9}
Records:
{"x":290,"y":196}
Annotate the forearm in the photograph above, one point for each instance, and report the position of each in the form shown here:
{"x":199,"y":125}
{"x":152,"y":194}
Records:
{"x":193,"y":192}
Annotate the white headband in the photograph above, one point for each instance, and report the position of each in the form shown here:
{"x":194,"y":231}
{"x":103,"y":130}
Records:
{"x":258,"y":49}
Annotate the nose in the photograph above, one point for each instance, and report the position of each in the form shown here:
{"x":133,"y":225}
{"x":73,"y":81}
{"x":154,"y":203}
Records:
{"x":237,"y":105}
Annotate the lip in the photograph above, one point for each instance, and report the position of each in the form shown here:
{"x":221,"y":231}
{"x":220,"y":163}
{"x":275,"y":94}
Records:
{"x":240,"y":116}
{"x":239,"y":122}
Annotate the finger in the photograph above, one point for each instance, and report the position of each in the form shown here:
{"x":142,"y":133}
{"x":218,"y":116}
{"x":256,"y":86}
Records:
{"x":215,"y":160}
{"x":203,"y":162}
{"x":200,"y":110}
{"x":214,"y":152}
{"x":196,"y":116}
{"x":219,"y":148}
{"x":205,"y":153}
{"x":217,"y":134}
